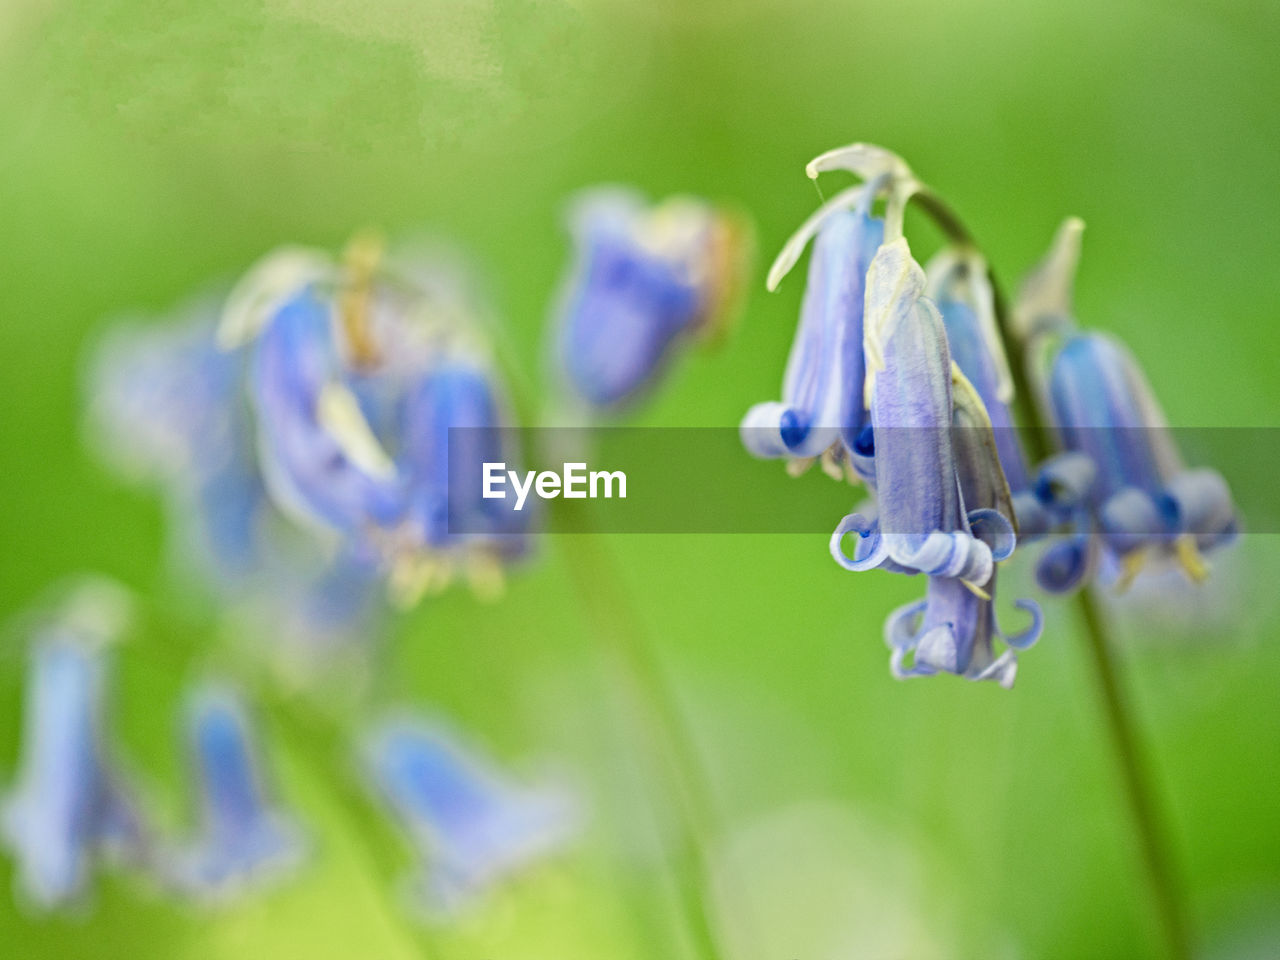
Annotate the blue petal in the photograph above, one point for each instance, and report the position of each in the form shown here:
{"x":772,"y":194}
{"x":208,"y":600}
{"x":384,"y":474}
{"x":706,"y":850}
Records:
{"x":1034,"y":521}
{"x":453,"y":425}
{"x":823,"y":386}
{"x":68,"y":806}
{"x":774,"y":430}
{"x":242,"y":838}
{"x":1027,"y":637}
{"x":1102,"y":407}
{"x":634,"y":290}
{"x":900,"y":626}
{"x":1130,"y":519}
{"x":1199,"y":502}
{"x":970,"y":351}
{"x":1065,"y":564}
{"x":475,"y":828}
{"x":306,"y":470}
{"x":1065,"y":482}
{"x":922,"y":522}
{"x":995,"y":530}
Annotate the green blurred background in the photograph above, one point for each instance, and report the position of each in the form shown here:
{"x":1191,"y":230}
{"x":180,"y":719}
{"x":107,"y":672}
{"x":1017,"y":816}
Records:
{"x":148,"y":147}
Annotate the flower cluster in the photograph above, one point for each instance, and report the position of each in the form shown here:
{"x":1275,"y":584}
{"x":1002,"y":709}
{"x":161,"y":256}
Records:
{"x":373,"y":395}
{"x":1118,"y":491}
{"x":318,"y":432}
{"x":898,"y":378}
{"x":72,"y":808}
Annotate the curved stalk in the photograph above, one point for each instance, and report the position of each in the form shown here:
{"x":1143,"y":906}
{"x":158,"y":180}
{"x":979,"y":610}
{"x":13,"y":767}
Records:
{"x":615,"y":622}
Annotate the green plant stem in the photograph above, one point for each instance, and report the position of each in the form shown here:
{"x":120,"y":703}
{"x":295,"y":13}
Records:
{"x":615,"y":622}
{"x":1152,"y":830}
{"x":302,"y":726}
{"x":1122,"y":727}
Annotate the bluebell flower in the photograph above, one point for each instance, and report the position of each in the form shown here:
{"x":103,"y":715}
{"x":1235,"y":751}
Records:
{"x":70,"y":805}
{"x":167,"y":406}
{"x":473,"y":826}
{"x":644,"y":278}
{"x":242,"y":838}
{"x":1138,"y":500}
{"x":951,"y":631}
{"x":357,"y":381}
{"x":953,"y":628}
{"x":1118,"y":491}
{"x":453,"y":423}
{"x":822,"y":413}
{"x":959,"y":285}
{"x":922,"y":525}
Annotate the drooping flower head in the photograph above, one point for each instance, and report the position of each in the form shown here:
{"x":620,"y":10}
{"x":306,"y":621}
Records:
{"x":69,"y":806}
{"x":872,"y":388}
{"x":644,"y":278}
{"x":1142,"y":501}
{"x":242,"y":839}
{"x":1119,"y":486}
{"x":362,"y":371}
{"x":923,"y":525}
{"x":473,"y":825}
{"x":953,"y":628}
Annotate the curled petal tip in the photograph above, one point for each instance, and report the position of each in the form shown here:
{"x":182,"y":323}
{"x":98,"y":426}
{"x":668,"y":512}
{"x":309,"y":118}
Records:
{"x":870,"y":550}
{"x":1028,"y":636}
{"x":1065,"y":564}
{"x":866,"y":160}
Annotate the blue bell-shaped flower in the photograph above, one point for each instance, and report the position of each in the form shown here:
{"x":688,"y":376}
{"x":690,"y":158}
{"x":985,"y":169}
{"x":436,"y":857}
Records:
{"x":69,"y":806}
{"x":643,"y":279}
{"x":242,"y":838}
{"x":474,"y":827}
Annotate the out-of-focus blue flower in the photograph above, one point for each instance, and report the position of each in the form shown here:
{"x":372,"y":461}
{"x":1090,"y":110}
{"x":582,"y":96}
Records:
{"x":1118,"y":490}
{"x":242,"y":838}
{"x":359,"y":379}
{"x":922,"y":525}
{"x":454,"y":423}
{"x":69,"y":805}
{"x":1140,"y":498}
{"x":320,"y":458}
{"x":823,"y":404}
{"x":644,"y":277}
{"x":167,"y":406}
{"x":474,"y":827}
